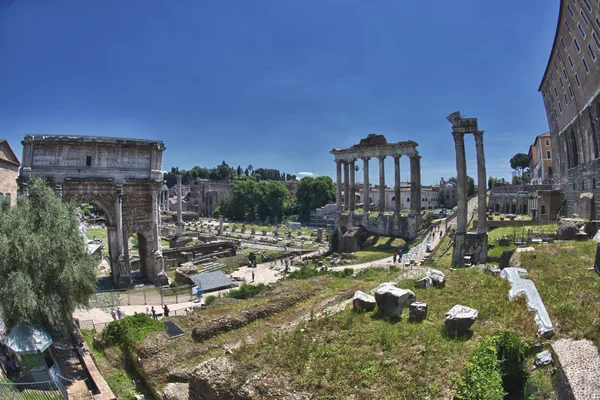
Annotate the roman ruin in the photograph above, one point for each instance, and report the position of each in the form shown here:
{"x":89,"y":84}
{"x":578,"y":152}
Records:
{"x":472,"y":245}
{"x":376,"y":146}
{"x":123,"y":177}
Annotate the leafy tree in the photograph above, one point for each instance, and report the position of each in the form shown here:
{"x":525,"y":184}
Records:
{"x":45,"y":271}
{"x":239,"y":171}
{"x":313,"y":193}
{"x":519,"y":162}
{"x":470,"y":186}
{"x":246,"y":172}
{"x":492,"y":181}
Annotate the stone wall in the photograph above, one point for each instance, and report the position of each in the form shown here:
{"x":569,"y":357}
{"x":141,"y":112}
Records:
{"x":8,"y":180}
{"x":205,"y":195}
{"x":198,"y":250}
{"x":405,"y":227}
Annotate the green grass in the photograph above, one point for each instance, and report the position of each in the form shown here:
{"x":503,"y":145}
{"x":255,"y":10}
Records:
{"x":571,"y":293}
{"x":390,"y":359}
{"x":510,"y":232}
{"x":100,"y":233}
{"x":121,"y":383}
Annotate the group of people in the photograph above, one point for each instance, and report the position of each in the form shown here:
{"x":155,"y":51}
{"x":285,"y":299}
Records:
{"x":118,"y":314}
{"x":397,"y":255}
{"x":152,"y":312}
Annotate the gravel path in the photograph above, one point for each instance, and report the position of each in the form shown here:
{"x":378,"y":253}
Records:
{"x":581,"y":364}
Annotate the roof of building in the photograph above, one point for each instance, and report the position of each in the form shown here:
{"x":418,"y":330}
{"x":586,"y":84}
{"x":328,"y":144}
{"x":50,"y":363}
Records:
{"x":211,"y":281}
{"x":560,"y":12}
{"x":10,"y":153}
{"x":25,"y":338}
{"x":106,"y":140}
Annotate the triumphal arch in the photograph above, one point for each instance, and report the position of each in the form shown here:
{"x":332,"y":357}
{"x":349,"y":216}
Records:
{"x":121,"y":176}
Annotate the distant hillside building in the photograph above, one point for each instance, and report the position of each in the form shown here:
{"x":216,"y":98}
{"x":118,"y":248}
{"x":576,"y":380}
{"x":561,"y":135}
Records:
{"x":540,"y":160}
{"x":9,"y":171}
{"x":205,"y":195}
{"x":448,"y":197}
{"x":570,"y":88}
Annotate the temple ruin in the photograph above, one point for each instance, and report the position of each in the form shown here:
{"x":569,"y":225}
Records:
{"x":469,"y":246}
{"x":121,"y":176}
{"x":396,"y":224}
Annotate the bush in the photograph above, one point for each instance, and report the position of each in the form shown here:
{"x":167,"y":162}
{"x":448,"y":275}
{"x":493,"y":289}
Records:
{"x":309,"y":271}
{"x":210,"y":299}
{"x":126,"y":332}
{"x":498,"y":365}
{"x":246,"y":291}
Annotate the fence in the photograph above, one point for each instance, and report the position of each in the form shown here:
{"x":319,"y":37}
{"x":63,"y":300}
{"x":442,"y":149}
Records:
{"x":31,"y":391}
{"x":142,"y":297}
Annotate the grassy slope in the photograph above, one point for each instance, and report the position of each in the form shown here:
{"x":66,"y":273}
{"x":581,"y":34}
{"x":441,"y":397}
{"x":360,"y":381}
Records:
{"x":511,"y":232}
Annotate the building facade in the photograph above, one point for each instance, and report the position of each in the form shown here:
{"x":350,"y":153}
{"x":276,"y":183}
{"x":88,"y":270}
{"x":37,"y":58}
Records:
{"x":570,"y":89}
{"x":448,"y":196}
{"x":540,"y":160}
{"x":9,"y":171}
{"x":205,"y":195}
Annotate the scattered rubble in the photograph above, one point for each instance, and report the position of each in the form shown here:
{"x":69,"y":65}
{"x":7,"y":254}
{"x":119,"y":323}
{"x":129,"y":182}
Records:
{"x":363,"y":301}
{"x":417,"y":311}
{"x":460,"y":319}
{"x":391,"y":300}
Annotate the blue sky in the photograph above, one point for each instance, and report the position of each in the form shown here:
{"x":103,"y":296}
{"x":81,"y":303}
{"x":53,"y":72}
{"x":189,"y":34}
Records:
{"x":278,"y":84}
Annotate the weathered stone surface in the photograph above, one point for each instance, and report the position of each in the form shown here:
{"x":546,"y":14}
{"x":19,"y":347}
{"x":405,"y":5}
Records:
{"x":437,"y":277}
{"x":162,"y":279}
{"x":423,"y":283}
{"x":417,"y":311}
{"x":176,"y":391}
{"x":542,"y":359}
{"x":505,"y":258}
{"x":566,"y":230}
{"x":580,"y":363}
{"x":460,"y":319}
{"x":515,"y":259}
{"x":391,"y":300}
{"x":363,"y":301}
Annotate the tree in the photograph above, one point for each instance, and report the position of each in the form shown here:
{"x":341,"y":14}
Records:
{"x":492,"y":181}
{"x":239,"y":171}
{"x":470,"y":186}
{"x":45,"y":271}
{"x":519,"y":162}
{"x":313,"y":193}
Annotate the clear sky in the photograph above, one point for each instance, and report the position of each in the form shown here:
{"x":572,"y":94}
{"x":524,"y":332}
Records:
{"x":278,"y":84}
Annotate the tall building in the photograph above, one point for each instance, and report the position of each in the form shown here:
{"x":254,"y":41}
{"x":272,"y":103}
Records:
{"x":540,"y":160}
{"x":9,"y":171}
{"x":570,"y":88}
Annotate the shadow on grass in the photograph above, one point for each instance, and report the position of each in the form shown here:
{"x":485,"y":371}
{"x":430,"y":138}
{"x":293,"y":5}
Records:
{"x":378,"y":315}
{"x":457,"y":336}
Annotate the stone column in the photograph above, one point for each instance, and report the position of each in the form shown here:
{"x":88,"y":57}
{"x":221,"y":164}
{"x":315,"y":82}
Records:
{"x":481,"y":184}
{"x":338,"y":193}
{"x":366,"y":201}
{"x":461,"y":177}
{"x":397,"y":185}
{"x":415,"y":184}
{"x":156,"y":217}
{"x":119,"y":220}
{"x":381,"y":184}
{"x":179,"y":230}
{"x":352,"y":186}
{"x":346,"y":187}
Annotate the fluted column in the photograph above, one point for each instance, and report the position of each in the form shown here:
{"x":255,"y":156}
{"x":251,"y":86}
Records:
{"x":381,"y":184}
{"x":397,"y":184}
{"x":352,"y":186}
{"x":461,"y":177}
{"x":346,"y":187}
{"x":481,"y":184}
{"x":179,"y":230}
{"x":338,"y":193}
{"x":366,"y":201}
{"x":119,"y":221}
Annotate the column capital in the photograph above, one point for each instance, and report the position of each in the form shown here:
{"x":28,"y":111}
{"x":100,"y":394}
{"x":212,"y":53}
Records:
{"x":381,"y":157}
{"x":397,"y":157}
{"x":365,"y":158}
{"x":458,"y":136}
{"x":478,"y":136}
{"x":414,"y":156}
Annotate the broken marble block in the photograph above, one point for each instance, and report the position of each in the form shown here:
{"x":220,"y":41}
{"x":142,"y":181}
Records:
{"x":459,"y":319}
{"x":363,"y":301}
{"x":542,"y":359}
{"x":417,"y":311}
{"x":391,"y":300}
{"x":423,"y":283}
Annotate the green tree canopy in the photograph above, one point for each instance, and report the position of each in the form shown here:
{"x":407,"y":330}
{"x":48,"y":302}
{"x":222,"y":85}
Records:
{"x":45,"y":271}
{"x":313,"y":193}
{"x":470,"y":186}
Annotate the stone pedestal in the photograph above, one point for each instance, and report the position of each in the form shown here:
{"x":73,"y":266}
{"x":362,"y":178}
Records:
{"x":469,"y":244}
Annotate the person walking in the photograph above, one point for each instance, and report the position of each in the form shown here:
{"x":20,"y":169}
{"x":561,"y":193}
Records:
{"x":113,"y":314}
{"x":119,"y":313}
{"x":154,"y":313}
{"x":395,"y":256}
{"x":166,"y":310}
{"x":252,"y":276}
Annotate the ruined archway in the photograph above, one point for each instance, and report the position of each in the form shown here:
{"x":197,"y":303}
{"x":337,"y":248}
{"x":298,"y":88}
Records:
{"x":121,"y":176}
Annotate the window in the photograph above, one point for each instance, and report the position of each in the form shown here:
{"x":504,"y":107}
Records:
{"x":555,"y":91}
{"x":567,"y":23}
{"x":559,"y":56}
{"x":566,"y":100}
{"x":591,"y":52}
{"x":549,"y":171}
{"x":587,"y":69}
{"x":565,"y":74}
{"x":587,"y":4}
{"x":88,"y":161}
{"x":596,"y":39}
{"x":548,"y":154}
{"x":561,"y":82}
{"x":552,"y":98}
{"x":571,"y":62}
{"x":543,"y":209}
{"x":577,"y":79}
{"x":555,"y":66}
{"x":547,"y":142}
{"x":552,"y":76}
{"x":581,"y":30}
{"x":577,"y":45}
{"x":563,"y":43}
{"x":408,"y":199}
{"x":571,"y":91}
{"x":559,"y":107}
{"x":584,"y":18}
{"x":598,"y":22}
{"x":570,"y":12}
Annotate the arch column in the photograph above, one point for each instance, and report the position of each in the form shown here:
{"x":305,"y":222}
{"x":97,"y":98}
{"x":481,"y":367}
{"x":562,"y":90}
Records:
{"x":415,"y":184}
{"x":381,"y":184}
{"x":397,"y":185}
{"x":352,"y":186}
{"x":366,"y":200}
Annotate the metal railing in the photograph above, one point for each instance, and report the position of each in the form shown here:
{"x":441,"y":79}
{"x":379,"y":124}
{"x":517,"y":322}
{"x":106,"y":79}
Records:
{"x":31,"y":391}
{"x":142,"y":297}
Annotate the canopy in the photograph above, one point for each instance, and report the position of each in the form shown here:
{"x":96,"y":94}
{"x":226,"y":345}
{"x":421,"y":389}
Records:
{"x":25,"y":338}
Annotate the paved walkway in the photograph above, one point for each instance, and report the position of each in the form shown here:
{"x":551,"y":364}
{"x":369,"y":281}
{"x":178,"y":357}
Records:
{"x":581,"y":364}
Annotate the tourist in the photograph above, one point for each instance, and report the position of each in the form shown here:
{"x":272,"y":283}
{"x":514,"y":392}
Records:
{"x":166,"y":310}
{"x":119,"y":313}
{"x":113,"y":314}
{"x":12,"y":366}
{"x":252,"y":276}
{"x":395,"y":256}
{"x":148,"y":312}
{"x":154,"y":313}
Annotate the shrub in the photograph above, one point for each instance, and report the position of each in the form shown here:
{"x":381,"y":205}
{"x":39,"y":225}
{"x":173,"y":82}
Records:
{"x":210,"y":299}
{"x":126,"y":332}
{"x":309,"y":271}
{"x":246,"y":291}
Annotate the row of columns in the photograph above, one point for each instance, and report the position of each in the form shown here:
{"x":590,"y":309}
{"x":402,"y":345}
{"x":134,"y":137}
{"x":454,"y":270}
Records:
{"x":349,"y":185}
{"x":461,"y":172}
